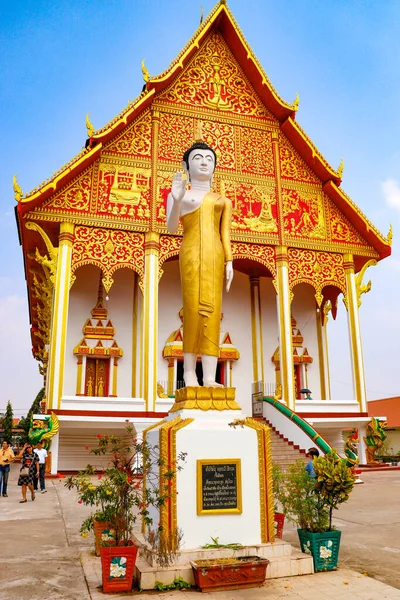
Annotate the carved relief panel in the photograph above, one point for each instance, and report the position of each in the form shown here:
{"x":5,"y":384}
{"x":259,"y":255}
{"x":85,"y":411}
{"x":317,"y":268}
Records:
{"x":214,"y":80}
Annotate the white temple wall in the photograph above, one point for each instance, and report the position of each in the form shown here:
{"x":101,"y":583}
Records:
{"x":236,"y":308}
{"x":270,"y":331}
{"x":169,"y":305}
{"x":83,"y":298}
{"x":339,"y":346}
{"x":305,"y":313}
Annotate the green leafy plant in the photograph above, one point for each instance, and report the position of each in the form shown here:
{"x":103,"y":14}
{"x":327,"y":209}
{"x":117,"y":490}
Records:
{"x":118,"y":494}
{"x":334,"y":481}
{"x":215,"y":544}
{"x":178,"y":584}
{"x":309,"y":501}
{"x":8,"y":423}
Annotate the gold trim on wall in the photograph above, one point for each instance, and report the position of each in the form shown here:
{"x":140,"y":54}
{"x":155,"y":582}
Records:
{"x":134,"y":334}
{"x":267,"y":528}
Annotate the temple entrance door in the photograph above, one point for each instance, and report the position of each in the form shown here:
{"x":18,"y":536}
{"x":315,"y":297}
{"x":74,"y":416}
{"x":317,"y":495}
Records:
{"x":97,"y":377}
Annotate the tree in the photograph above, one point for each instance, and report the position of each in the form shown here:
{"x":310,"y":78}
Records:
{"x":8,"y":423}
{"x":35,"y":409}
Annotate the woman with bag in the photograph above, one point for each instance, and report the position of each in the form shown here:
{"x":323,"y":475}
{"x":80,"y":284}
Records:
{"x":29,"y":470}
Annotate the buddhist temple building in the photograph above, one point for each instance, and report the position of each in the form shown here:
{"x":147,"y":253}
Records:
{"x":103,"y":274}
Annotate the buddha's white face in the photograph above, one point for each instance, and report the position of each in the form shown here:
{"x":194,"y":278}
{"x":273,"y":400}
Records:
{"x":201,"y":165}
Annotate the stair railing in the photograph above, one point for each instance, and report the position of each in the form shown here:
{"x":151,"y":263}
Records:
{"x":305,"y":427}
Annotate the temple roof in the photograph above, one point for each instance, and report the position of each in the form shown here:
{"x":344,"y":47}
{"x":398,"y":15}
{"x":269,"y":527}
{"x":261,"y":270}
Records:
{"x":219,"y":20}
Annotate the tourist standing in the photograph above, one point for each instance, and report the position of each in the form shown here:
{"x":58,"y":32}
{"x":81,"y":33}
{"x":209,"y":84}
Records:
{"x":29,"y":470}
{"x":42,"y":454}
{"x":311,"y":453}
{"x":6,"y":457}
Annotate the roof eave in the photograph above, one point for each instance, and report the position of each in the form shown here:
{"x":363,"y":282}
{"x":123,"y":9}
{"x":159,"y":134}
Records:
{"x":309,"y":152}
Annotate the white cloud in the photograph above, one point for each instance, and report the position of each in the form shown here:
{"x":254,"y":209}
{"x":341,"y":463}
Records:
{"x":391,"y":192}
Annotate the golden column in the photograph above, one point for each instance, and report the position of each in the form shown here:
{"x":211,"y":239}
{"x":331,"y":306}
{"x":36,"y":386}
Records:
{"x":285,"y":326}
{"x":256,"y":331}
{"x":60,"y":316}
{"x":150,"y":319}
{"x":351,"y":303}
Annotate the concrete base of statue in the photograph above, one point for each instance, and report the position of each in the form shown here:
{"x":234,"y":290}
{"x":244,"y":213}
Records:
{"x":224,"y":490}
{"x":223,"y":493}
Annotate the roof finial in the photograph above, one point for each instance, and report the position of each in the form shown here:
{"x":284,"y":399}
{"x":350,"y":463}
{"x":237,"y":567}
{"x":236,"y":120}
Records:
{"x":389,"y":236}
{"x":198,"y":134}
{"x":18,"y":193}
{"x":201,"y":13}
{"x":89,"y":126}
{"x":146,"y":74}
{"x":296,"y":102}
{"x":340,"y":168}
{"x":222,"y":2}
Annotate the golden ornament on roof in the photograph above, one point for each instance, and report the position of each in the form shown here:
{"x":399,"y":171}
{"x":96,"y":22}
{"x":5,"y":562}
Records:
{"x":146,"y":74}
{"x":340,"y":168}
{"x":296,"y":102}
{"x":18,"y":193}
{"x":389,"y":236}
{"x":89,"y":126}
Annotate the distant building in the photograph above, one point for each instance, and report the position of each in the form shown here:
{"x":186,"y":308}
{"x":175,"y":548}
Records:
{"x":388,"y":409}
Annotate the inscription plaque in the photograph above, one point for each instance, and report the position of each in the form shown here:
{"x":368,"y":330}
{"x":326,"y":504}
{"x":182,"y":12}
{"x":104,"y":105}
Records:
{"x":219,"y":486}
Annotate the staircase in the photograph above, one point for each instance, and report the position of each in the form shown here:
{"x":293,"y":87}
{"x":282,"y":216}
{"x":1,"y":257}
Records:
{"x":284,"y":452}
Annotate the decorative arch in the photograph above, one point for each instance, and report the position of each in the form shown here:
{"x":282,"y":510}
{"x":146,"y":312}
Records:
{"x":108,"y":249}
{"x":169,"y":247}
{"x":264,"y":255}
{"x":318,"y":269}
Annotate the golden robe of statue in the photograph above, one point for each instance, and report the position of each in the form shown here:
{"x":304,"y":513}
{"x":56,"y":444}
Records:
{"x":204,"y":251}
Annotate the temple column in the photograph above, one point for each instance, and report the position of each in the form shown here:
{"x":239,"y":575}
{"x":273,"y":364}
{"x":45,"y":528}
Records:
{"x":323,"y":357}
{"x":150,"y":319}
{"x":60,"y":316}
{"x":285,"y":326}
{"x":54,"y":453}
{"x":357,"y":362}
{"x":256,"y":331}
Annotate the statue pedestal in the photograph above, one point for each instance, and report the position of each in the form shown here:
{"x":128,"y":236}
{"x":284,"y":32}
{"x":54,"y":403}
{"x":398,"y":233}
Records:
{"x":224,"y":490}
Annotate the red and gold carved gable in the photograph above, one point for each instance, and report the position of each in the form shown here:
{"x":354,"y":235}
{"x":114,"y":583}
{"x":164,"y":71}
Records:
{"x":134,"y":141}
{"x":341,"y":230}
{"x":75,"y":198}
{"x":213,"y":79}
{"x":292,"y":166}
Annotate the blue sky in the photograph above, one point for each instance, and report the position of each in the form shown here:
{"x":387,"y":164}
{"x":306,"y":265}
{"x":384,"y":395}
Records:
{"x":62,"y":59}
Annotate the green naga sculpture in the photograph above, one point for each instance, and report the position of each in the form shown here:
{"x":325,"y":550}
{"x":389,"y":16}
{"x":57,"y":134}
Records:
{"x":350,"y":449}
{"x":42,"y":429}
{"x":376,"y":435}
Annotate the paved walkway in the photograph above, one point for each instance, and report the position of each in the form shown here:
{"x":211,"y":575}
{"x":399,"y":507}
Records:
{"x":44,"y":557}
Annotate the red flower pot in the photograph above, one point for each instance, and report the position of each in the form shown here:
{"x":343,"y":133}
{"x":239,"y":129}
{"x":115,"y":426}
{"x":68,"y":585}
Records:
{"x":220,"y":574}
{"x":102,"y":529}
{"x":118,"y":565}
{"x":279,"y":520}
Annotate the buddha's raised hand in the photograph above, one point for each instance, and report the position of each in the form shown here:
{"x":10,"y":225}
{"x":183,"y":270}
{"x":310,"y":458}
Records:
{"x":178,"y":187}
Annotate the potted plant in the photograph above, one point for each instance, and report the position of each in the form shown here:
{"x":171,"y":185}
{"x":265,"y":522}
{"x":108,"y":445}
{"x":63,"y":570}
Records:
{"x":120,"y":498}
{"x":309,"y":502}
